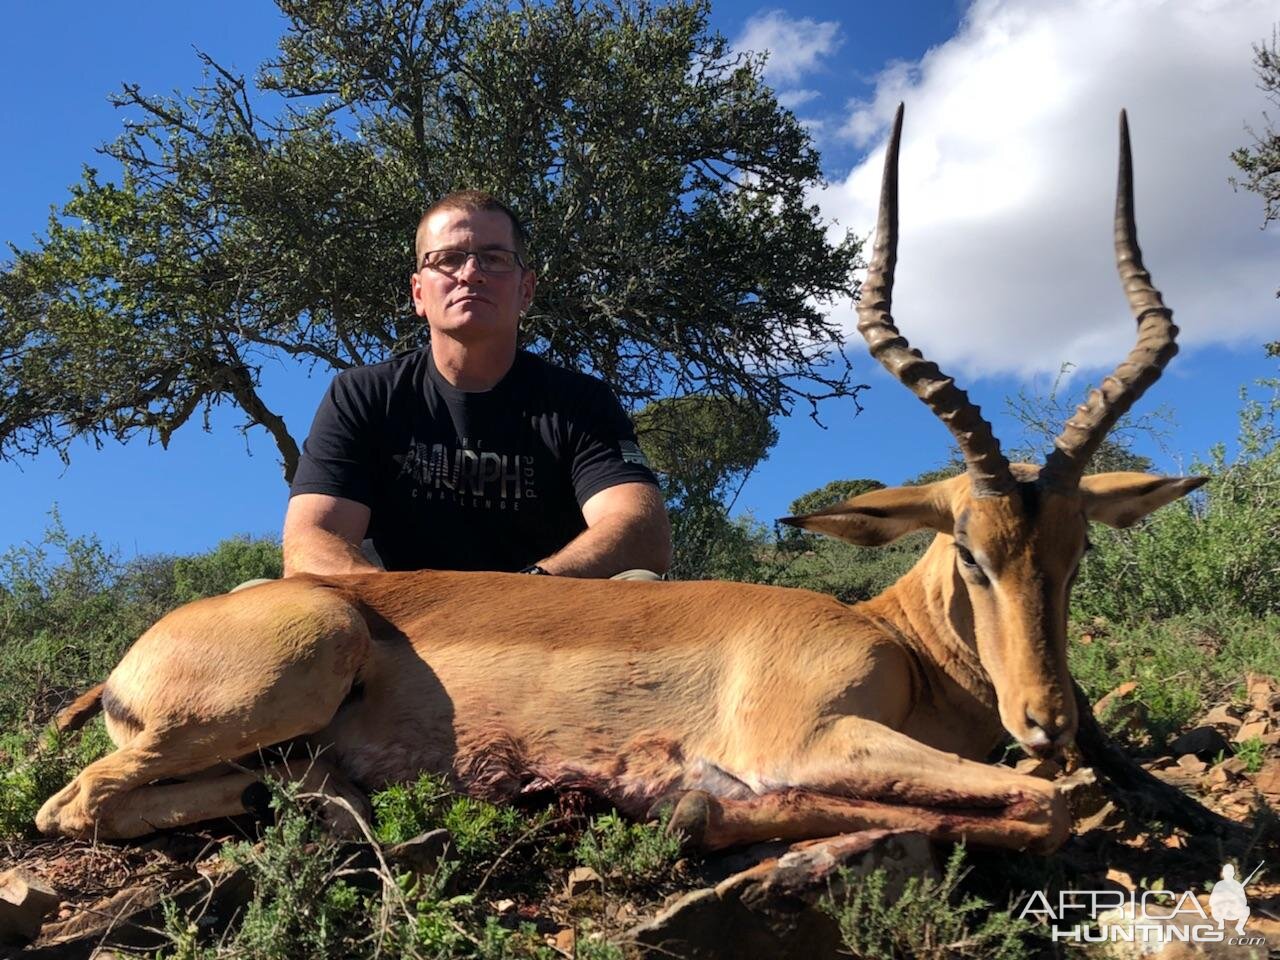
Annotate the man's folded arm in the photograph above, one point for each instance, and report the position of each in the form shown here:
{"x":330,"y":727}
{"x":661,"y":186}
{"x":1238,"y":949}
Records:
{"x":322,"y":534}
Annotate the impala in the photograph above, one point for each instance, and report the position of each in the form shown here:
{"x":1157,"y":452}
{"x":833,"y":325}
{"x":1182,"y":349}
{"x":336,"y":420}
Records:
{"x":761,"y":712}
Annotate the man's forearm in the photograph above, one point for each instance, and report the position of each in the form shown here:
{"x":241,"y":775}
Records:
{"x":612,"y":545}
{"x":323,"y":552}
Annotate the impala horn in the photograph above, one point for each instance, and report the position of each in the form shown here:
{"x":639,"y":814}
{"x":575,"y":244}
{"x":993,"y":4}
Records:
{"x":988,"y":469}
{"x":1085,"y":430}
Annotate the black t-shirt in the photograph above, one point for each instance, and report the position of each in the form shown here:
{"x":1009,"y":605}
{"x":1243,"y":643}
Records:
{"x":468,"y":481}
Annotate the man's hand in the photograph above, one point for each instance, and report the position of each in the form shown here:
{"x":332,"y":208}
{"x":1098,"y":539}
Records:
{"x":322,"y":534}
{"x":627,"y":528}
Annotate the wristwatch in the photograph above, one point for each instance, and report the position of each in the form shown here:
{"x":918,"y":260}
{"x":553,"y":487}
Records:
{"x":536,"y":570}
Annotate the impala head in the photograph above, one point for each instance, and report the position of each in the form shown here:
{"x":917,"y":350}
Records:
{"x":1012,"y":535}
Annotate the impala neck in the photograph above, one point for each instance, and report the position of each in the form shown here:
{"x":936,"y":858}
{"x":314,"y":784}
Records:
{"x":929,"y":609}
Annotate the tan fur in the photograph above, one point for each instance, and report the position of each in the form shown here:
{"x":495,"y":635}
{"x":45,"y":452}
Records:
{"x":772,"y":703}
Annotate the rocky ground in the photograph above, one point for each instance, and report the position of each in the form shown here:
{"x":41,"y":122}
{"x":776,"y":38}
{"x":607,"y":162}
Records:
{"x":68,"y":899}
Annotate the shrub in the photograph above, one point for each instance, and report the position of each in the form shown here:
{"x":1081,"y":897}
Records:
{"x":634,"y":854}
{"x":1217,"y":549}
{"x":925,"y":921}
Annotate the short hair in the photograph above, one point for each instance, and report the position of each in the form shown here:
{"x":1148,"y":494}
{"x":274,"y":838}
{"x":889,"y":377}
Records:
{"x":472,"y":201}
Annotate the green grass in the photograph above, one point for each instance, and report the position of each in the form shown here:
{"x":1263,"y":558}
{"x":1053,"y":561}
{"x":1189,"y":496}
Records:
{"x":1182,"y":665}
{"x":628,"y":854}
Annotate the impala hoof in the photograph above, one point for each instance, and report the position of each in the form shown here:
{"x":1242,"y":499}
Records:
{"x":693,"y":818}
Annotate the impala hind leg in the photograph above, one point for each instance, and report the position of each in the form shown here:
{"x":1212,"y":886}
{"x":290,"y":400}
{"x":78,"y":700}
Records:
{"x":145,"y":809}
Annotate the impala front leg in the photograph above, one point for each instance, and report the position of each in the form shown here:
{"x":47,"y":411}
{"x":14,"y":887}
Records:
{"x":862,"y":775}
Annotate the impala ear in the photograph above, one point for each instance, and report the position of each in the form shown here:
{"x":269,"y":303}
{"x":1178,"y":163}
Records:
{"x":881,"y":516}
{"x":1122,"y":499}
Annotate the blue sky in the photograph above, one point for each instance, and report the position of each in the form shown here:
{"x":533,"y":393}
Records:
{"x":1010,"y":147}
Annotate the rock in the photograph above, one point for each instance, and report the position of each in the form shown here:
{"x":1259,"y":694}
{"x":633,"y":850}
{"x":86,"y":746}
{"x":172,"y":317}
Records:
{"x":767,"y":912}
{"x":1083,"y":792}
{"x":1191,"y":763}
{"x":1260,"y":690}
{"x":566,"y":940}
{"x":422,"y":854}
{"x":583,"y":880}
{"x":1219,"y":776}
{"x":1250,"y":729}
{"x":1110,"y":700}
{"x":1042,"y":769}
{"x":1267,"y":779}
{"x":134,"y":915}
{"x":1106,"y":818}
{"x":1204,"y":742}
{"x":25,"y":901}
{"x":1221,"y":716}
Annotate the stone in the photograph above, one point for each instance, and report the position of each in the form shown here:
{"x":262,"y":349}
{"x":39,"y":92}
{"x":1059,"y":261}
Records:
{"x":1192,"y":764}
{"x":1040,"y":768}
{"x":583,"y":880}
{"x":25,"y":902}
{"x":134,"y":916}
{"x":768,"y":911}
{"x":1267,"y":780}
{"x":1251,"y":729}
{"x":566,"y":941}
{"x":1084,"y":794}
{"x":423,"y":853}
{"x":1221,"y":716}
{"x":1107,"y":818}
{"x":1260,"y":690}
{"x":1109,"y":700}
{"x":1204,"y":742}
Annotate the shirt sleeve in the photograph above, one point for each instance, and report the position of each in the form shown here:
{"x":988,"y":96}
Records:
{"x":604,"y":448}
{"x":337,"y":456}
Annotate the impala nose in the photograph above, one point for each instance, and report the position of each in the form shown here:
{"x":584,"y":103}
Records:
{"x":1048,"y":733}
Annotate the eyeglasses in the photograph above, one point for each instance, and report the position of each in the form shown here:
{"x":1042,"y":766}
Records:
{"x":493,"y":260}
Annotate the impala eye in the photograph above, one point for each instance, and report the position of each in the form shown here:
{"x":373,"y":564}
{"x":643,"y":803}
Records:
{"x":970,"y":565}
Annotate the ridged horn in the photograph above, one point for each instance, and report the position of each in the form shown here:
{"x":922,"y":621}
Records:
{"x":988,"y":469}
{"x":1087,"y":428}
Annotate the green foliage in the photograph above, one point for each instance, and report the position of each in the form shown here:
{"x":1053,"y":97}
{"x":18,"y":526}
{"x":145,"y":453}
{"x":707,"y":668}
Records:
{"x":229,"y":564}
{"x":1043,"y":417}
{"x":1215,"y":550}
{"x":659,"y":176}
{"x":703,"y":448}
{"x":1253,"y":752}
{"x":633,"y":854}
{"x":1260,"y":163}
{"x":926,"y":921}
{"x":832,"y":493}
{"x":34,"y":767}
{"x":849,"y":573}
{"x":1180,"y":664}
{"x":481,"y":833}
{"x":69,"y":608}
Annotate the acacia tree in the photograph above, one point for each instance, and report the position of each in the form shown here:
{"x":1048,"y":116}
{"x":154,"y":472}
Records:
{"x":663,"y":185}
{"x":1260,"y":162}
{"x":703,"y":449}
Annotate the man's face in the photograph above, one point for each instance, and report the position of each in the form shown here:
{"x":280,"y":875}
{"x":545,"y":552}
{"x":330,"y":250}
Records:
{"x":470,"y":305}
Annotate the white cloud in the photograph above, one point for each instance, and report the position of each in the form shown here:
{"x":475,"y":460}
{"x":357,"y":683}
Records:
{"x":1008,"y":179}
{"x":791,"y":99}
{"x":794,"y":45}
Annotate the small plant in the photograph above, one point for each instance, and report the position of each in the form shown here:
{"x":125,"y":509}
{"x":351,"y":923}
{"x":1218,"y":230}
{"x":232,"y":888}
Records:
{"x":923,"y":921}
{"x":1252,"y":752}
{"x":635,"y":854}
{"x":34,"y":768}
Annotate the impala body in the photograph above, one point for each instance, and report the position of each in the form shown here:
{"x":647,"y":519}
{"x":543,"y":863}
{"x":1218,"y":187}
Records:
{"x":759,"y":711}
